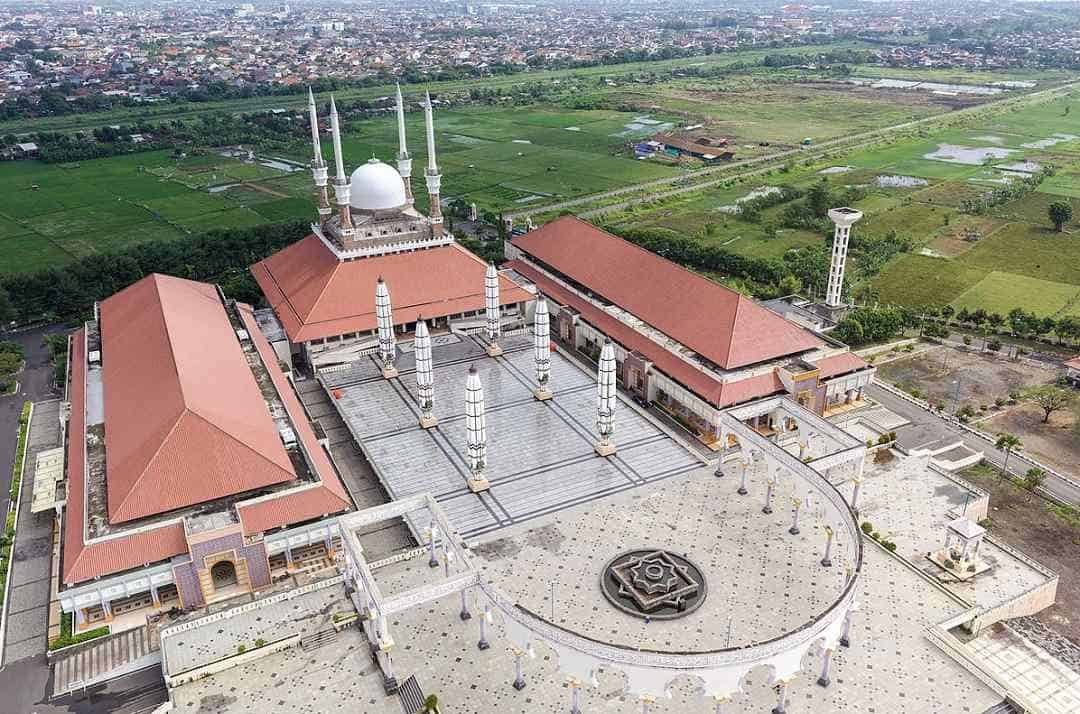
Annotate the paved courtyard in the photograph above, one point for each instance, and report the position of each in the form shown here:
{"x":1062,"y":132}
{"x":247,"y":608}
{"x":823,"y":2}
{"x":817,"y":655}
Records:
{"x":540,"y":454}
{"x":890,"y":667}
{"x":910,"y":504}
{"x":780,"y":583}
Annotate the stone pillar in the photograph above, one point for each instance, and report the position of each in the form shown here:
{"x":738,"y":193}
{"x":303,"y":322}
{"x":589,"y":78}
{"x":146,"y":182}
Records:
{"x":845,"y":633}
{"x":575,"y":697}
{"x":80,"y":618}
{"x":767,"y":510}
{"x":519,"y":677}
{"x":465,"y":614}
{"x":781,"y":698}
{"x":288,"y":558}
{"x":855,"y":496}
{"x":107,"y":607}
{"x":826,"y":661}
{"x":742,"y":478}
{"x":154,"y":596}
{"x":797,"y":503}
{"x":485,"y":618}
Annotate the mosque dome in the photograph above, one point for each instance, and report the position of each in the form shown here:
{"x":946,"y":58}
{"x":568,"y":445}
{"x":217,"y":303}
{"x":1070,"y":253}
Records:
{"x":376,"y":186}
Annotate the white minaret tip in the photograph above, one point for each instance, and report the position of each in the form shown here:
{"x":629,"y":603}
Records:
{"x":313,"y":116}
{"x":403,"y":151}
{"x":335,"y":130}
{"x":429,"y":126}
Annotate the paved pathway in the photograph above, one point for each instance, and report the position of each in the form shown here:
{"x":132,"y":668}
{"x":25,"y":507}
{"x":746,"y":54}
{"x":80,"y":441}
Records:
{"x":1032,"y":673}
{"x":28,"y":598}
{"x":932,"y":425}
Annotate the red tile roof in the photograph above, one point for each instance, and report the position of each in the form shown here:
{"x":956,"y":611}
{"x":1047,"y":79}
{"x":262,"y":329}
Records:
{"x":721,"y":325}
{"x":185,"y":422}
{"x":720,"y":394}
{"x":838,"y":364}
{"x":316,"y":296}
{"x":81,"y":561}
{"x":294,"y":505}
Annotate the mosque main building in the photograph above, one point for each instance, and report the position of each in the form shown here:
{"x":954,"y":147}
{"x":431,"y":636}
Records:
{"x":215,"y":450}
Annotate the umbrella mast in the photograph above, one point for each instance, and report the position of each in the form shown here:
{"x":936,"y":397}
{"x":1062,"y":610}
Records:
{"x":475,"y":432}
{"x":542,"y":349}
{"x":605,"y":400}
{"x":385,"y":323}
{"x":425,"y":378}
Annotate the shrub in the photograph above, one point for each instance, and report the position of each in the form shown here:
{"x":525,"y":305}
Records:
{"x":883,"y":439}
{"x":949,"y":564}
{"x":999,"y":402}
{"x":967,"y":339}
{"x":260,"y":642}
{"x":867,"y":528}
{"x":241,"y":649}
{"x":890,"y":546}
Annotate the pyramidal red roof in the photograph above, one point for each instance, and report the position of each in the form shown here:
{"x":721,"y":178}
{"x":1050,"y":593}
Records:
{"x":720,"y":324}
{"x":315,"y":295}
{"x":185,"y":421}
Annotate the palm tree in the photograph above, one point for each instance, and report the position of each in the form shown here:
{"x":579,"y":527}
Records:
{"x":1007,"y":443}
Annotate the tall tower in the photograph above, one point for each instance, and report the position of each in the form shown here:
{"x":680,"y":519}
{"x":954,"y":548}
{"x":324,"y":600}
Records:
{"x":404,"y":163}
{"x":341,"y":181}
{"x":318,"y":164}
{"x":844,"y":218}
{"x":431,"y":174}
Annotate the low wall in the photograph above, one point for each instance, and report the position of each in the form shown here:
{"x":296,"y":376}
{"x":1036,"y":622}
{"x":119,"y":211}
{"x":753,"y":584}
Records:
{"x":1029,"y":602}
{"x":235,"y":660}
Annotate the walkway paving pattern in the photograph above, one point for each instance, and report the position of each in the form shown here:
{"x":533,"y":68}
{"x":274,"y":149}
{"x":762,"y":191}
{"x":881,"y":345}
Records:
{"x":28,"y":598}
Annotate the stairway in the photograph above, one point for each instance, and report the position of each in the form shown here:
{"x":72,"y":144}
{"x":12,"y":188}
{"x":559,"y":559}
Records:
{"x":102,"y":659}
{"x":412,"y":697}
{"x":318,"y":639}
{"x":1005,"y":707}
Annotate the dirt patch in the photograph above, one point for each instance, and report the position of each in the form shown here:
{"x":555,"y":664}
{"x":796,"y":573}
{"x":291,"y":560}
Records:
{"x":954,"y":377}
{"x":1024,"y":521}
{"x":963,"y":233}
{"x":1056,"y":443}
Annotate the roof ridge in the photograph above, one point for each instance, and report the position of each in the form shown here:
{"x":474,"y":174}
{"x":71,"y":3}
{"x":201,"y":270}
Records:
{"x":326,"y":284}
{"x":153,"y":457}
{"x":169,"y":337}
{"x":734,"y":326}
{"x":217,"y":427}
{"x":642,"y":249}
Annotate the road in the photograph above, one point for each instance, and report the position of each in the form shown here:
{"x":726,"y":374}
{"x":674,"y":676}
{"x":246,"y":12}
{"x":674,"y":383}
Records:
{"x":24,"y":683}
{"x":1018,"y":464}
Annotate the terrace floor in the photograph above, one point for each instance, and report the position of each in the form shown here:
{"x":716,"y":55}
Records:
{"x":540,"y":454}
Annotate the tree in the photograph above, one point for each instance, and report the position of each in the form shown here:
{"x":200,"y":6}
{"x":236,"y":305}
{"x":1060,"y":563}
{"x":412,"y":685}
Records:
{"x":1050,"y":398}
{"x":1007,"y":443}
{"x":1060,"y":213}
{"x":431,"y":704}
{"x":6,"y":311}
{"x":1033,"y":479}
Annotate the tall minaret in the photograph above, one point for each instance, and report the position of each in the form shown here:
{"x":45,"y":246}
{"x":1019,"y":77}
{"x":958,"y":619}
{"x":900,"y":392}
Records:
{"x":341,"y":181}
{"x":404,"y":163}
{"x":605,"y":399}
{"x":844,"y":218}
{"x":318,"y":164}
{"x":431,"y":174}
{"x":491,"y":309}
{"x":475,"y":432}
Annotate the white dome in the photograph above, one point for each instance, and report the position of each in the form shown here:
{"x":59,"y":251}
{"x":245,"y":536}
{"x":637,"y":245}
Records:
{"x":376,"y":186}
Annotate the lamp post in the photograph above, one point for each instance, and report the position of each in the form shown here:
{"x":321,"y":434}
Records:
{"x":827,"y":561}
{"x":433,"y":532}
{"x":797,"y":503}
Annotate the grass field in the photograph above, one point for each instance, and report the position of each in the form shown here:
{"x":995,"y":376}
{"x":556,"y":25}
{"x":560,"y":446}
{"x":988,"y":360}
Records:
{"x":1000,"y":292}
{"x":54,"y":213}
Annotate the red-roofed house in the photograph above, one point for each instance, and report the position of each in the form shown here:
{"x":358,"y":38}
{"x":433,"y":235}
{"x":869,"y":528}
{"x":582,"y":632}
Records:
{"x":192,"y":470}
{"x":1072,"y":370}
{"x":682,"y":341}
